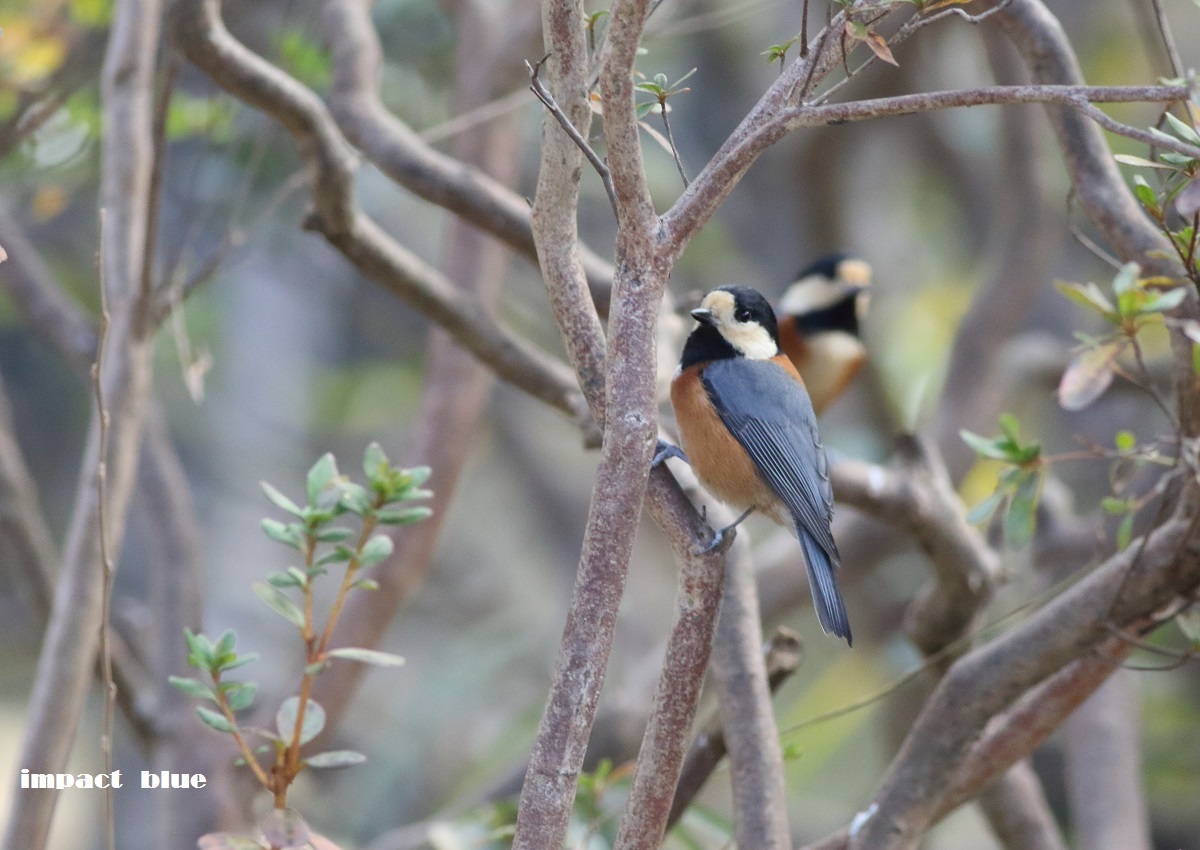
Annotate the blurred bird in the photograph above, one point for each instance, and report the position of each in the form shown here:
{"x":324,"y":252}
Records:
{"x":819,"y":319}
{"x":748,"y":429}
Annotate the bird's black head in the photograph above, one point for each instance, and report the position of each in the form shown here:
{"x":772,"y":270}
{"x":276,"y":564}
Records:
{"x":830,"y":295}
{"x":735,"y":321}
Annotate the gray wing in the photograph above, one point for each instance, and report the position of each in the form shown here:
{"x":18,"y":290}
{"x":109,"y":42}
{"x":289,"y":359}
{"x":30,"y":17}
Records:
{"x":772,"y":417}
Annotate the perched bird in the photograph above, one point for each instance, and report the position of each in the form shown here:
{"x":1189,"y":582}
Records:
{"x":819,"y":316}
{"x":748,"y":429}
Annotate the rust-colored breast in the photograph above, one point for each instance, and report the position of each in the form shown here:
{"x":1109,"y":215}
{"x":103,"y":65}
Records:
{"x":718,"y":459}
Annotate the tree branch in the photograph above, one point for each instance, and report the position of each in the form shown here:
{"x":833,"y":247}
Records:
{"x":1126,"y":588}
{"x":760,"y":812}
{"x":200,"y":34}
{"x":65,"y":666}
{"x":400,"y":153}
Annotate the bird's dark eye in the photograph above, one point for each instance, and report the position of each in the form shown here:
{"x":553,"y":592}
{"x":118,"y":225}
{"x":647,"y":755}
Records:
{"x":742,"y":315}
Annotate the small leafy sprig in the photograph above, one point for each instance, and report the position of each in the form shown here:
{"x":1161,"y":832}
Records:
{"x":1020,"y":484}
{"x":323,"y":545}
{"x":662,"y":90}
{"x":1174,"y":204}
{"x":1137,"y":303}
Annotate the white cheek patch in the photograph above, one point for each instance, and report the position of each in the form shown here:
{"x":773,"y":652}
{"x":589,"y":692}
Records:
{"x":752,"y":340}
{"x":809,"y":295}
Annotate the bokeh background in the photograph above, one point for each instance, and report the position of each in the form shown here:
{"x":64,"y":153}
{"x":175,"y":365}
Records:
{"x":286,"y":353}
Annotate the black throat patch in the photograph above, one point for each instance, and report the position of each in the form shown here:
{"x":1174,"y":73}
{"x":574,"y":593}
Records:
{"x":842,"y":316}
{"x":706,"y":343}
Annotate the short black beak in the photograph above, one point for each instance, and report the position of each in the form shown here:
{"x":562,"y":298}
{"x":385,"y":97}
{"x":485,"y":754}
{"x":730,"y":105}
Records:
{"x":703,"y":315}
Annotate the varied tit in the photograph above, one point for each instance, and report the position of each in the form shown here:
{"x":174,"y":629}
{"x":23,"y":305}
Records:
{"x":819,"y":316}
{"x":748,"y":429}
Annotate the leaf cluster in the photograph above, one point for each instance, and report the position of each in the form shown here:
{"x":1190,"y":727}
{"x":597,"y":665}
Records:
{"x":330,"y":497}
{"x":1020,"y":484}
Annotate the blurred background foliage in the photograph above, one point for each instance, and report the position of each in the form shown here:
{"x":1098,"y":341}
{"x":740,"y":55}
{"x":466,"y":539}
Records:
{"x":287,"y":353}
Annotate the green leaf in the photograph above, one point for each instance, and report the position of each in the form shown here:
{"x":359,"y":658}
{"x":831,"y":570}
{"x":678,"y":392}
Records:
{"x":280,"y":603}
{"x":984,"y":447}
{"x":279,"y":500}
{"x":297,"y":576}
{"x":282,"y":580}
{"x":1140,"y":162}
{"x":1021,"y":520}
{"x":335,"y":759}
{"x":316,"y":668}
{"x":320,"y":476}
{"x":1011,"y":428}
{"x":242,"y":697}
{"x":1126,"y":278}
{"x":193,"y":687}
{"x":1145,"y":193}
{"x":200,"y":650}
{"x":1125,"y":531}
{"x":214,"y":719}
{"x":1088,"y":376}
{"x":355,"y":498}
{"x":375,"y":550}
{"x":223,"y":651}
{"x":1125,"y":441}
{"x":333,"y":534}
{"x":1185,"y":131}
{"x":367,"y":584}
{"x":1114,"y":506}
{"x":1161,"y":302}
{"x":339,"y":554}
{"x":367,"y":656}
{"x":1087,"y":295}
{"x":375,"y":462}
{"x":285,"y":720}
{"x":287,"y":534}
{"x":985,"y":509}
{"x":239,"y":661}
{"x":407,"y":516}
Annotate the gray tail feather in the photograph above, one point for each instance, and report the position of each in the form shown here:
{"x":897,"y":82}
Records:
{"x":827,"y":598}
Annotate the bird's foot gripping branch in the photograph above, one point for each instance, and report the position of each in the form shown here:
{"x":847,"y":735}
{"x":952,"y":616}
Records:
{"x":274,"y":755}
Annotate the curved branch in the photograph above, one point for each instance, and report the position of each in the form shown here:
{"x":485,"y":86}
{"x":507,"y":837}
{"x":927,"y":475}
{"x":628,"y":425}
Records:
{"x":400,"y":153}
{"x":200,"y":34}
{"x":1127,"y":588}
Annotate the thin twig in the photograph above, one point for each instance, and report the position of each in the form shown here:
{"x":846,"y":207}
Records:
{"x":662,"y":107}
{"x":154,"y":200}
{"x":1164,"y":30}
{"x":106,"y":562}
{"x":539,"y":90}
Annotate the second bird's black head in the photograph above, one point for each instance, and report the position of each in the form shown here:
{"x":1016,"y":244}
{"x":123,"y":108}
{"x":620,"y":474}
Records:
{"x":735,"y":321}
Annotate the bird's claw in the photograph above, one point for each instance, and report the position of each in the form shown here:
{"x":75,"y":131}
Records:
{"x":722,"y":539}
{"x":664,"y":450}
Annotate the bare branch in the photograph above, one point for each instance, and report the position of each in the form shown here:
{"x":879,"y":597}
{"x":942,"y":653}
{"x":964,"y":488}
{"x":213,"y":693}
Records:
{"x":35,"y":291}
{"x":410,"y":161}
{"x":1018,"y":813}
{"x":65,"y":665}
{"x":539,"y":89}
{"x":456,"y":389}
{"x":744,"y":694}
{"x":635,"y":209}
{"x":985,"y":682}
{"x":201,"y":35}
{"x":1108,"y":804}
{"x":661,"y":757}
{"x":918,"y":497}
